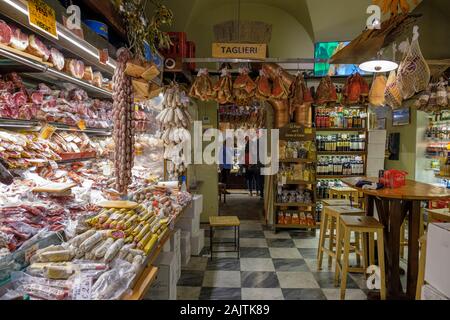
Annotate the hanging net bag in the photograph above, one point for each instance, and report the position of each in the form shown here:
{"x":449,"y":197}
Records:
{"x":414,"y":73}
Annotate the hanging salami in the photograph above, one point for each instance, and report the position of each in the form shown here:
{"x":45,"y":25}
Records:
{"x":123,"y":123}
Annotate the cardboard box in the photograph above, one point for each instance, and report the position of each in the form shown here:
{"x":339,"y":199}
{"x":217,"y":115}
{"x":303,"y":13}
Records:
{"x":438,"y":257}
{"x":195,"y":208}
{"x":185,"y":247}
{"x":430,"y":293}
{"x":190,"y":224}
{"x":197,"y":242}
{"x":175,"y":246}
{"x":165,"y":285}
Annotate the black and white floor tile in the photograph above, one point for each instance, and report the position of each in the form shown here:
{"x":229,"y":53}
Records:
{"x":272,"y":266}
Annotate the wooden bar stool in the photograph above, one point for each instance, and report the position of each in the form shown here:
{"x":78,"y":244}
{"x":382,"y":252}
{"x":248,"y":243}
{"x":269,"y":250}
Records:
{"x":366,"y":226}
{"x":344,"y":192}
{"x":336,"y":202}
{"x":329,"y":222}
{"x":224,"y":222}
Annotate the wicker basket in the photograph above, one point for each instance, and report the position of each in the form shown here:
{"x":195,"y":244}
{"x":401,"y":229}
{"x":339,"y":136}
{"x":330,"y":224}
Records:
{"x":243,"y":32}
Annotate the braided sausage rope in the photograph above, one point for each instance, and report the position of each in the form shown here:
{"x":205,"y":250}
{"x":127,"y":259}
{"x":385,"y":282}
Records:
{"x":124,"y":126}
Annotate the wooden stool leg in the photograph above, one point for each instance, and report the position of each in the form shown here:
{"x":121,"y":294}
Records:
{"x":323,"y":231}
{"x":371,"y":249}
{"x":364,"y":251}
{"x":332,"y":239}
{"x":357,"y":248}
{"x":338,"y":254}
{"x":402,"y":240}
{"x":345,"y":262}
{"x":211,"y":235}
{"x":380,"y":243}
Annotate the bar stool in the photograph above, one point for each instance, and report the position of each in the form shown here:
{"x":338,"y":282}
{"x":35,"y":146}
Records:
{"x":365,"y":225}
{"x":344,"y":192}
{"x":332,"y":214}
{"x":224,"y":222}
{"x":336,"y":202}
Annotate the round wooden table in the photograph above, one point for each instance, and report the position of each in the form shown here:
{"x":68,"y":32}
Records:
{"x":392,"y":206}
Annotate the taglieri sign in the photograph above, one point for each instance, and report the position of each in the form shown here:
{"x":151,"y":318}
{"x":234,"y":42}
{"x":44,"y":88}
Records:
{"x":239,"y":50}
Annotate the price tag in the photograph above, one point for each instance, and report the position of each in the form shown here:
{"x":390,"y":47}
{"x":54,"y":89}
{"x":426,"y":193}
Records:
{"x":47,"y":132}
{"x":30,"y":252}
{"x":81,"y":124}
{"x":42,"y":16}
{"x":53,"y":164}
{"x":103,"y":56}
{"x":81,"y":289}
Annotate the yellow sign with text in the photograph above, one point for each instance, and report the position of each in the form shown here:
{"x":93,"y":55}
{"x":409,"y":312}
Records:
{"x":239,"y":51}
{"x":42,"y":16}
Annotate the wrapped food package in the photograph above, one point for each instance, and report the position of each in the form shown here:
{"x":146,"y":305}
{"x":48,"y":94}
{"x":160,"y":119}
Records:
{"x":37,"y":48}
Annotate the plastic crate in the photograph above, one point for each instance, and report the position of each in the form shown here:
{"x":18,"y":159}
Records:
{"x":178,"y":49}
{"x":191,"y":54}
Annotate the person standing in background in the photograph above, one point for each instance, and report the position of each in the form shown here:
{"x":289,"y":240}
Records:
{"x":225,"y":163}
{"x":259,"y":178}
{"x":249,"y":168}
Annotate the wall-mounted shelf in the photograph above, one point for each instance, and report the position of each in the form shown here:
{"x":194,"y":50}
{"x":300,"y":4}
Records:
{"x":297,"y":160}
{"x":43,"y":72}
{"x":341,"y":153}
{"x":341,"y":130}
{"x":35,"y":125}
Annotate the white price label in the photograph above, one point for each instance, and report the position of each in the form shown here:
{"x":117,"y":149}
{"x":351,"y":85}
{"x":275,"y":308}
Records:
{"x":30,"y":252}
{"x":82,"y":289}
{"x":53,"y":164}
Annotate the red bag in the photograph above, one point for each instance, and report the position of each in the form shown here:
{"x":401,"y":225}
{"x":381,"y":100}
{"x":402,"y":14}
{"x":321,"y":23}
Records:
{"x":394,"y":178}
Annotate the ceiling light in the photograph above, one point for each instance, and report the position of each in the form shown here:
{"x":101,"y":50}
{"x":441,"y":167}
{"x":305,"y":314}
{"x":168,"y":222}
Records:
{"x":378,"y":66}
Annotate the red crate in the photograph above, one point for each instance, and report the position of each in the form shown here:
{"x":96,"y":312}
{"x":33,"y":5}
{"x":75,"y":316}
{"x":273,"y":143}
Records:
{"x":191,"y":54}
{"x":179,"y":47}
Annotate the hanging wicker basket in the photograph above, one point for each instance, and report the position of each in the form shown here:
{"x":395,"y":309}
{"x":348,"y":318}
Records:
{"x":243,"y":32}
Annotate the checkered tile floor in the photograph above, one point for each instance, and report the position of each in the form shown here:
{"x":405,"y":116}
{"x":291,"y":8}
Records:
{"x":272,"y":266}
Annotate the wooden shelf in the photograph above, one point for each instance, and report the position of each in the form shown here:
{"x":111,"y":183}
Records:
{"x":339,"y":153}
{"x":143,"y":284}
{"x":298,"y":182}
{"x":293,"y":204}
{"x":340,"y":129}
{"x":337,"y":176}
{"x":296,"y":226}
{"x":298,"y":161}
{"x":442,"y":177}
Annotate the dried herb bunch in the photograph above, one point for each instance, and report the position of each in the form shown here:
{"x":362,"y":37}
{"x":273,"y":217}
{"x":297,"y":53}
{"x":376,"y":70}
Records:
{"x":140,"y":28}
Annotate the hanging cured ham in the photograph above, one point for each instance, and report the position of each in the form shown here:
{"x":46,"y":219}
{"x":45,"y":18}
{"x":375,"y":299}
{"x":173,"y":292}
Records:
{"x":263,"y":87}
{"x":376,"y":94}
{"x":202,"y":87}
{"x":223,"y":89}
{"x":326,"y":91}
{"x":244,"y":87}
{"x":356,"y":89}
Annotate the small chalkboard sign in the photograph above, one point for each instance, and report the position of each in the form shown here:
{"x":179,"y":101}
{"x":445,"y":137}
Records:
{"x":297,"y":132}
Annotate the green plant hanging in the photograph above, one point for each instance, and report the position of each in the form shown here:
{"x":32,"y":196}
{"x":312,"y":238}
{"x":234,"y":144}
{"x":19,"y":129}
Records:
{"x":140,"y":29}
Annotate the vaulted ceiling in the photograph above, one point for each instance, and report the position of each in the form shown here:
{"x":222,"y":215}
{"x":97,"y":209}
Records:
{"x":323,"y":20}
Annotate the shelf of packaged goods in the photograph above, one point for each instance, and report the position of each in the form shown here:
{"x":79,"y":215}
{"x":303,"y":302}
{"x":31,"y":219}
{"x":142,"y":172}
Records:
{"x":297,"y":160}
{"x":340,"y":129}
{"x":324,"y":177}
{"x":442,"y":177}
{"x":44,"y":73}
{"x":341,"y":153}
{"x":296,"y":226}
{"x":294,"y":204}
{"x":35,"y":125}
{"x":17,"y":11}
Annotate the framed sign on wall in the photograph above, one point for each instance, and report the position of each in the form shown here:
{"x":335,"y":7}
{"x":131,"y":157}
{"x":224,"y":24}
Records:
{"x":401,"y":117}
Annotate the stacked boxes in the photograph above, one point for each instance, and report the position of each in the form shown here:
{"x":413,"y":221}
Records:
{"x":376,"y":152}
{"x":165,"y":285}
{"x":185,"y":247}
